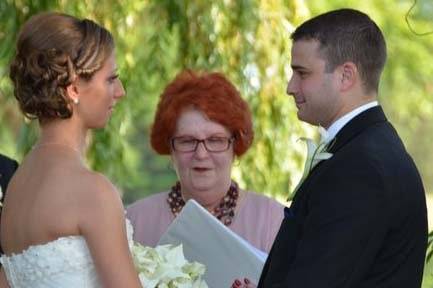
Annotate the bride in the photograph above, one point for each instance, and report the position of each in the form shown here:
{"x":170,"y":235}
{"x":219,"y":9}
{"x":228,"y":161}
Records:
{"x":62,"y":224}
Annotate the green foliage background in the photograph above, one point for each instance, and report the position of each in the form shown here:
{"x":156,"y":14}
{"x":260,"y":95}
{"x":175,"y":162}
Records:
{"x":246,"y":40}
{"x":249,"y":41}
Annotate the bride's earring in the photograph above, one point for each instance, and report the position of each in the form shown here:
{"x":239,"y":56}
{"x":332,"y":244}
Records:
{"x":76,"y":101}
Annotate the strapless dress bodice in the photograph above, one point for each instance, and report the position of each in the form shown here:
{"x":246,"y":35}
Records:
{"x":63,"y":263}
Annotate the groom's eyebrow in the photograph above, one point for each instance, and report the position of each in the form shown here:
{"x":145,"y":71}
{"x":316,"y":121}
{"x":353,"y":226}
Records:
{"x":298,"y":67}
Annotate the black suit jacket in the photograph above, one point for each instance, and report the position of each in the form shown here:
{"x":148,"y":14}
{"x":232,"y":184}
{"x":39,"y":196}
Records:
{"x":7,"y":169}
{"x":359,"y":220}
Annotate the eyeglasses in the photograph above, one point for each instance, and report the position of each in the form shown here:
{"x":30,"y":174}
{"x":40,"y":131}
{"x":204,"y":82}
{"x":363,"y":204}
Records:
{"x":211,"y":144}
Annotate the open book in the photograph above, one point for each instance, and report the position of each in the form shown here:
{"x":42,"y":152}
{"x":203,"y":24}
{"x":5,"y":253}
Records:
{"x":226,"y":255}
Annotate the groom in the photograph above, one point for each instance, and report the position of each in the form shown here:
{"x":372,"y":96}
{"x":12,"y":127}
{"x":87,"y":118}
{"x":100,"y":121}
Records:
{"x":359,"y":219}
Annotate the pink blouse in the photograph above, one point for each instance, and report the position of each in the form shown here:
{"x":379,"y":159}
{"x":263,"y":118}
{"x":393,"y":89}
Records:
{"x":257,"y":219}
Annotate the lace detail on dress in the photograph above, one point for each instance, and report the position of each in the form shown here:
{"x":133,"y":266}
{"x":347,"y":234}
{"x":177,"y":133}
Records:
{"x":129,"y":232}
{"x":65,"y":262}
{"x":64,"y":255}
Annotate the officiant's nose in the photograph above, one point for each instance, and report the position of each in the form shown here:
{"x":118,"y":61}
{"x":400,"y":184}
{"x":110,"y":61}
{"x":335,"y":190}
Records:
{"x":201,"y":151}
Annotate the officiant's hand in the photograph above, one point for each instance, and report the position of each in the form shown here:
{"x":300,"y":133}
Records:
{"x":243,"y":284}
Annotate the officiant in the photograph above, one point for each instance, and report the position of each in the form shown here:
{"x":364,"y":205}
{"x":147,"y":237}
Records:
{"x":203,"y":124}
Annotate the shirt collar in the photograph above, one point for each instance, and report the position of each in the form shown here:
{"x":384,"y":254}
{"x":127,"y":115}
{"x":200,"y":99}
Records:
{"x":331,"y":132}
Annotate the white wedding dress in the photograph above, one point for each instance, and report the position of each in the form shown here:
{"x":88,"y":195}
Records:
{"x":62,"y":263}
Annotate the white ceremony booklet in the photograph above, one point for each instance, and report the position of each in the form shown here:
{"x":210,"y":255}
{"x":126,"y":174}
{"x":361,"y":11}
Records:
{"x":205,"y":239}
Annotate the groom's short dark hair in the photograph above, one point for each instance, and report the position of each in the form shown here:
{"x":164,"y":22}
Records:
{"x":348,"y":35}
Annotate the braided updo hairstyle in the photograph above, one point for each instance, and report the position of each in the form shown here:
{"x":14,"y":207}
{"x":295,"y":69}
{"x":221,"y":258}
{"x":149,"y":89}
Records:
{"x":52,"y":50}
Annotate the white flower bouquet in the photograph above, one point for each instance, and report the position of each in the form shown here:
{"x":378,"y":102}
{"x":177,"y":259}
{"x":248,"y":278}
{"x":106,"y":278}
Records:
{"x":166,"y":267}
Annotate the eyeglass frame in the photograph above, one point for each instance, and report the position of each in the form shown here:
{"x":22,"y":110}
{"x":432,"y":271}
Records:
{"x":198,"y":141}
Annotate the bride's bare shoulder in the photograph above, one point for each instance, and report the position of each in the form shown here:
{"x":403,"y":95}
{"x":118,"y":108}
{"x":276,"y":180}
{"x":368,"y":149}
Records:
{"x":99,"y":205}
{"x":94,"y":186}
{"x":97,"y":196}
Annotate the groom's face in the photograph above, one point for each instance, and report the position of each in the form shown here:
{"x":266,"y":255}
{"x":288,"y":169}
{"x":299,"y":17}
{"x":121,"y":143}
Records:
{"x":313,"y":89}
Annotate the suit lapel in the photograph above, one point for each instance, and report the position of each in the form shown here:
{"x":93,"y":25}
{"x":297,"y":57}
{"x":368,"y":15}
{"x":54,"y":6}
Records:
{"x":355,"y":126}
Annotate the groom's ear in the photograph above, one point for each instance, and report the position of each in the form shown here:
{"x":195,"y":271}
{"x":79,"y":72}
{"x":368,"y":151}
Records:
{"x":348,"y":76}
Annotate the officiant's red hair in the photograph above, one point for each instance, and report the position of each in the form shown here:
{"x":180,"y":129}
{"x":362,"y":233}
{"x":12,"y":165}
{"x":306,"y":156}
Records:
{"x":213,"y":95}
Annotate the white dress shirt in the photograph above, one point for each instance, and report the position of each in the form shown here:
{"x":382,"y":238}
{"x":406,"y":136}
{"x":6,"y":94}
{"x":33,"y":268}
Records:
{"x":331,"y":132}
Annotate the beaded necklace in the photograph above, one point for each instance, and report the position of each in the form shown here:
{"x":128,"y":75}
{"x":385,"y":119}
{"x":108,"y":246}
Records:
{"x":225,"y":211}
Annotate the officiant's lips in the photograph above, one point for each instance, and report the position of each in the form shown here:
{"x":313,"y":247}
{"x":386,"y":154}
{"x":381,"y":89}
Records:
{"x":201,"y":169}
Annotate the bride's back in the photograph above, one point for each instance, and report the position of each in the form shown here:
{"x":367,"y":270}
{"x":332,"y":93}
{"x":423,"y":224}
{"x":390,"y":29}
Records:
{"x":64,"y":75}
{"x":43,"y":198}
